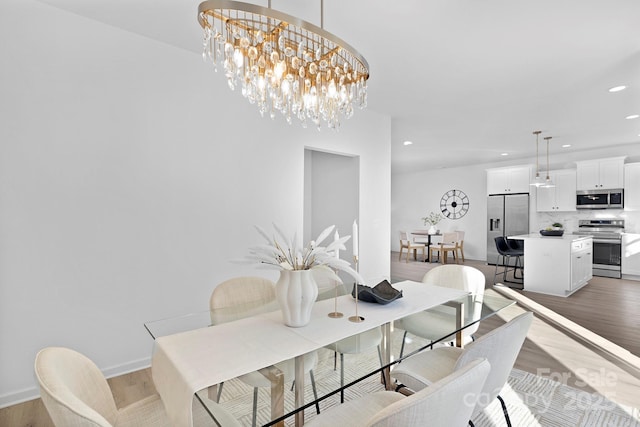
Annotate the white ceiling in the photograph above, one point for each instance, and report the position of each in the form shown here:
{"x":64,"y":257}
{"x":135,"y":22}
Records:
{"x":465,"y":80}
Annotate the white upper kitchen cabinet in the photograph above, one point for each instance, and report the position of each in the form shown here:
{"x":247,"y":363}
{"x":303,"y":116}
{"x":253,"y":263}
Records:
{"x":508,"y":180}
{"x":632,"y":187}
{"x":562,"y":197}
{"x":600,"y":174}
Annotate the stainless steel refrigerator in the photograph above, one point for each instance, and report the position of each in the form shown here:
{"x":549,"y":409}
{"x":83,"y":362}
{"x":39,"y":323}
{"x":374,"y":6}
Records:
{"x":507,"y":215}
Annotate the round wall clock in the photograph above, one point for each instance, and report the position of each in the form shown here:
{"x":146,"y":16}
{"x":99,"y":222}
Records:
{"x":454,"y":204}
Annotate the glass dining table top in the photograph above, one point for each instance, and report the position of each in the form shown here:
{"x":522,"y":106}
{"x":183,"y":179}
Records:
{"x":360,"y":373}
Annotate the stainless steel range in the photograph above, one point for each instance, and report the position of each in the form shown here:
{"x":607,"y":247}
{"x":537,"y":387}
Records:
{"x":607,"y":244}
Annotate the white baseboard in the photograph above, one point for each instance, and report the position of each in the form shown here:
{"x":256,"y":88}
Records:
{"x":30,"y":393}
{"x":126,"y":368}
{"x":10,"y":399}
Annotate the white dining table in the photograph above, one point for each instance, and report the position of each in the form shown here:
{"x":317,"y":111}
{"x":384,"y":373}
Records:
{"x":187,"y":362}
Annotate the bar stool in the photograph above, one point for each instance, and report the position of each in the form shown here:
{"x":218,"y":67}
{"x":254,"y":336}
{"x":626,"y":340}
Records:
{"x":507,"y":251}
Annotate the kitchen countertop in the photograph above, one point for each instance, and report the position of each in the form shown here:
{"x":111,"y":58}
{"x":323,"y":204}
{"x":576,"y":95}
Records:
{"x":567,"y":237}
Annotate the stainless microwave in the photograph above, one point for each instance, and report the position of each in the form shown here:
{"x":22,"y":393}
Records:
{"x":600,"y":199}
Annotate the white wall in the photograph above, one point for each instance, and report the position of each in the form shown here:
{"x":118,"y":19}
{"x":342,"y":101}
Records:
{"x":413,"y":196}
{"x":129,"y":177}
{"x":333,"y":194}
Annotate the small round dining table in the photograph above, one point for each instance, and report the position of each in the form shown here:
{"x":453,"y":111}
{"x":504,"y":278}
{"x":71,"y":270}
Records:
{"x":425,"y":233}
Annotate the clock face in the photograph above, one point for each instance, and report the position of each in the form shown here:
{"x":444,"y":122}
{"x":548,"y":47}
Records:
{"x":454,"y":204}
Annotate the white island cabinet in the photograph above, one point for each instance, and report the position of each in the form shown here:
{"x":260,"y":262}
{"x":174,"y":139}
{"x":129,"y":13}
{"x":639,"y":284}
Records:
{"x":630,"y":256}
{"x":556,"y":265}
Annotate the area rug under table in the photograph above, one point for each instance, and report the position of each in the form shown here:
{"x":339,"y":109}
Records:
{"x":537,"y":401}
{"x":531,"y":400}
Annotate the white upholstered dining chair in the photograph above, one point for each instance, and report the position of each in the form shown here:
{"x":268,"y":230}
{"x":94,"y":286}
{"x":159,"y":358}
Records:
{"x":241,"y":297}
{"x":435,"y":323}
{"x":499,"y":346}
{"x":365,"y":341}
{"x":76,"y":394}
{"x":448,"y":402}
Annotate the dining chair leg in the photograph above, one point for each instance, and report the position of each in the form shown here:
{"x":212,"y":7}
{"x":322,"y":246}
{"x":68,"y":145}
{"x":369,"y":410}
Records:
{"x":384,"y":379}
{"x":495,"y":273}
{"x":315,"y":391}
{"x":504,"y":410}
{"x":219,"y":392}
{"x":335,"y":360}
{"x":341,"y":377}
{"x":255,"y":406}
{"x":505,"y":261}
{"x":404,"y":337}
{"x":518,"y":266}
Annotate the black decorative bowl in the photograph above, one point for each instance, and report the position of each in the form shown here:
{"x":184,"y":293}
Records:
{"x":552,"y":232}
{"x":382,"y":293}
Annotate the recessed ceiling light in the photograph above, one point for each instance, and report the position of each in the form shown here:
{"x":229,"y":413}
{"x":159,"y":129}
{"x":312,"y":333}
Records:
{"x":617,"y":88}
{"x":566,"y":145}
{"x":504,"y":154}
{"x":407,"y":143}
{"x":633,"y":116}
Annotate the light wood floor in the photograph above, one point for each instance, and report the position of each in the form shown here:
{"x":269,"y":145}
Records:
{"x":608,"y":307}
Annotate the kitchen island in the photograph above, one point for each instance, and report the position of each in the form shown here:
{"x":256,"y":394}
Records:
{"x":556,"y":265}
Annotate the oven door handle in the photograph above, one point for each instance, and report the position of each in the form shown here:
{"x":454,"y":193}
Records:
{"x":612,"y":241}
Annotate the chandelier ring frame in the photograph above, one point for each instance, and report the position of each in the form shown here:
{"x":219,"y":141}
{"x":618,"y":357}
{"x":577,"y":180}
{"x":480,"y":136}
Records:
{"x":209,"y":7}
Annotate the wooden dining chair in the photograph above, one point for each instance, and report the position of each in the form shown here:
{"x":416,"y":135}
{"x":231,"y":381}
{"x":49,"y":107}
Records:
{"x":446,"y":246}
{"x":406,"y":243}
{"x":460,"y":245}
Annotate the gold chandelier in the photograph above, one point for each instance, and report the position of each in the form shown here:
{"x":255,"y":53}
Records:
{"x":283,"y":63}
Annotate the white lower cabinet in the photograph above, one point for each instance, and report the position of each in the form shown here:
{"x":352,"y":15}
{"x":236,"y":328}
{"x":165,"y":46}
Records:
{"x":630,"y":255}
{"x":557,"y":265}
{"x":581,"y":263}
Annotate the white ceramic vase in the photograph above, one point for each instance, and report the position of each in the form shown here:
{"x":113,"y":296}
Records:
{"x":432,"y":230}
{"x":296,"y":292}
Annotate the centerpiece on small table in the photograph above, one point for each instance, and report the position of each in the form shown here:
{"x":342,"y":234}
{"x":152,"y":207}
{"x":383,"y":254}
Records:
{"x":296,"y":289}
{"x":433,"y":219}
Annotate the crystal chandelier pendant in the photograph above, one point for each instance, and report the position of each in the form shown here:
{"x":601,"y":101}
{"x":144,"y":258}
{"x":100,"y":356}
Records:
{"x":282,"y":63}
